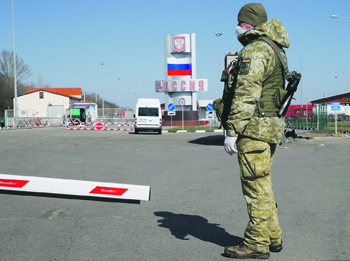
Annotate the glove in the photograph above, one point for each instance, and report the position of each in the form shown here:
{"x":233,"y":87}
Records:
{"x":229,"y":144}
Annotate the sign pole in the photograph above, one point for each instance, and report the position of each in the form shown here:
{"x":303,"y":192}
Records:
{"x":182,"y":117}
{"x":171,"y":112}
{"x":182,"y":103}
{"x":210,"y":108}
{"x":335,"y":106}
{"x":336,"y":122}
{"x":318,"y":119}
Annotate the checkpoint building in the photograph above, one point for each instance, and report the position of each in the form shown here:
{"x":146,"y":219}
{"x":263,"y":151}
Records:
{"x":47,"y":102}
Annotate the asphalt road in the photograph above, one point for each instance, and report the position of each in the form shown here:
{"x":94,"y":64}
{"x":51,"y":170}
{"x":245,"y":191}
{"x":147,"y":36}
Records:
{"x":196,"y":207}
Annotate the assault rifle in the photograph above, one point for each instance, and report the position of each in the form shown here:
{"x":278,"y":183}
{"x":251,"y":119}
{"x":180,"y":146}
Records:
{"x":293,"y":79}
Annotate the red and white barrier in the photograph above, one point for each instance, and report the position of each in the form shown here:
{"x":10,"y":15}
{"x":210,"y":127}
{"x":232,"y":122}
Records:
{"x":104,"y":126}
{"x":77,"y":188}
{"x":37,"y":122}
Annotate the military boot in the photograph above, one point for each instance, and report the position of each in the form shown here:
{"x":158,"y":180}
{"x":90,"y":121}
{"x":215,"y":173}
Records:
{"x":276,"y":248}
{"x":244,"y":252}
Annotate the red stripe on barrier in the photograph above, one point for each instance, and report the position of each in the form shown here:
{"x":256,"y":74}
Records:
{"x":13,"y":183}
{"x":109,"y":191}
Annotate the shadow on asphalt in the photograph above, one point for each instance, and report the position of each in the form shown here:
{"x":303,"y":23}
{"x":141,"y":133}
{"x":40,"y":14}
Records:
{"x":215,"y":140}
{"x":181,"y":226}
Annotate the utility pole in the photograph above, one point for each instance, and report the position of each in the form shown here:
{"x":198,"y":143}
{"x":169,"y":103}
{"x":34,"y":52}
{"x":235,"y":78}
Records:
{"x":218,"y":35}
{"x":14,"y":63}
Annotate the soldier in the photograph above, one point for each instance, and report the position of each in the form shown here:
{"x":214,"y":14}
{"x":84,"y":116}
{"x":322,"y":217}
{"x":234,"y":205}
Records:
{"x":254,"y":129}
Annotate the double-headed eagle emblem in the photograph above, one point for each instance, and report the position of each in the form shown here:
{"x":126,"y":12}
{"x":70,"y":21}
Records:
{"x":179,"y":43}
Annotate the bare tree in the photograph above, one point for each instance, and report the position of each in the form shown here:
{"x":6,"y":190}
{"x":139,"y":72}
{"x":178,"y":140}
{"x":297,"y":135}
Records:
{"x":7,"y":79}
{"x":5,"y":94}
{"x":7,"y":69}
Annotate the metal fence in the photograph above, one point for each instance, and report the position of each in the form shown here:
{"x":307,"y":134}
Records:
{"x":314,"y":118}
{"x":31,"y":122}
{"x":115,"y":115}
{"x":9,"y":118}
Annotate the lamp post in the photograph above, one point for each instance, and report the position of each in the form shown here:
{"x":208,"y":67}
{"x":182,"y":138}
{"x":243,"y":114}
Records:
{"x":301,"y":80}
{"x":14,"y":63}
{"x":218,"y":35}
{"x":336,"y":16}
{"x":129,"y":98}
{"x":103,"y":97}
{"x":119,"y":94}
{"x":336,"y":85}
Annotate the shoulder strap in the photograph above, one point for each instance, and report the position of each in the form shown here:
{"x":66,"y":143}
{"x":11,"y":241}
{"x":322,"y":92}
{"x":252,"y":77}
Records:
{"x":281,"y":55}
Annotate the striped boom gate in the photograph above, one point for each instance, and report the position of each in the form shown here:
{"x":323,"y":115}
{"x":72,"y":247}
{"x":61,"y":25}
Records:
{"x":104,"y":126}
{"x":73,"y":189}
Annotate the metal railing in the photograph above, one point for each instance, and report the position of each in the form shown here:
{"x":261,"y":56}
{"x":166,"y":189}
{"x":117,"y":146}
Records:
{"x":315,"y":119}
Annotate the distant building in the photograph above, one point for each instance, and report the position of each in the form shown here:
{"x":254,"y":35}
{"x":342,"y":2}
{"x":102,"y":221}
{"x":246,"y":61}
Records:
{"x":74,"y":92}
{"x":45,"y":103}
{"x":343,"y":98}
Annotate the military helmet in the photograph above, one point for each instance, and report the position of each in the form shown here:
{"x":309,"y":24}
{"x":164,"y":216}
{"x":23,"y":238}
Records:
{"x":253,"y":14}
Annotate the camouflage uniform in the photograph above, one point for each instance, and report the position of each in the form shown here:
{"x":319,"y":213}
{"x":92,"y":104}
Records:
{"x":257,"y":136}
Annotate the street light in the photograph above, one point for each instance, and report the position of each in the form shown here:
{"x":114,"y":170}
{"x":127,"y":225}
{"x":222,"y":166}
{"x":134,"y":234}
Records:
{"x":103,"y":97}
{"x":218,"y":35}
{"x":336,"y":85}
{"x":129,"y":98}
{"x":119,"y":94}
{"x":14,"y":62}
{"x":336,"y":16}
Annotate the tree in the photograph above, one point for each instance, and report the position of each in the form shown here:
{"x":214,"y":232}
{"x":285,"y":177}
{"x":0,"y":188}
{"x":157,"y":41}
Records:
{"x":6,"y":67}
{"x":5,"y":93}
{"x":7,"y":79}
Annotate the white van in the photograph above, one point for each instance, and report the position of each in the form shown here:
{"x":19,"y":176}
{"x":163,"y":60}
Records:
{"x":148,"y":116}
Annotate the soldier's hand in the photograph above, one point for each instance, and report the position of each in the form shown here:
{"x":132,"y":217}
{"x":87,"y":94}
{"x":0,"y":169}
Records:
{"x":229,"y":144}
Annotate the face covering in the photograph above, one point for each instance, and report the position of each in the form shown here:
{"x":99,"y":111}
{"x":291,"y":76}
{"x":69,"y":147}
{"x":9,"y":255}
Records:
{"x":240,"y":30}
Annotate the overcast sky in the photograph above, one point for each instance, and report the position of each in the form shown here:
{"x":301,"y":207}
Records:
{"x":65,"y":41}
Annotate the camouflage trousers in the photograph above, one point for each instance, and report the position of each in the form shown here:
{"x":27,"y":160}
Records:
{"x":255,"y":159}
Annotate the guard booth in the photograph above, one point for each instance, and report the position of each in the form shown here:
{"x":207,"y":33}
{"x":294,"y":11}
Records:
{"x":77,"y":112}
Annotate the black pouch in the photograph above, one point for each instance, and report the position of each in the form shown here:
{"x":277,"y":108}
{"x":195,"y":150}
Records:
{"x":224,"y":76}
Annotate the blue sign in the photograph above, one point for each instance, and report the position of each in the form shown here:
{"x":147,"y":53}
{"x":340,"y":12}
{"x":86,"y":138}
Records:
{"x":171,"y":106}
{"x":210,"y":107}
{"x":335,"y":106}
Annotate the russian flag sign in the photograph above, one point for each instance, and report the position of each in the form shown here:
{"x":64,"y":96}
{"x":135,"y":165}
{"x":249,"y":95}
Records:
{"x":179,"y":67}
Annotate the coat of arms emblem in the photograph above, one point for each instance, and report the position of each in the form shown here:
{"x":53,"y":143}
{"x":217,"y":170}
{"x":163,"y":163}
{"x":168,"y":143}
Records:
{"x":179,"y":43}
